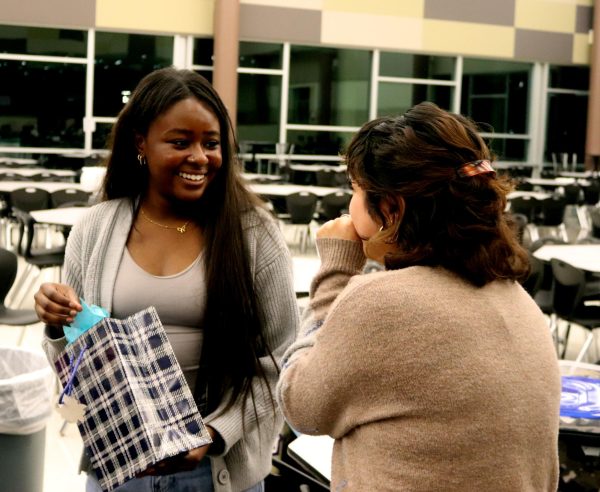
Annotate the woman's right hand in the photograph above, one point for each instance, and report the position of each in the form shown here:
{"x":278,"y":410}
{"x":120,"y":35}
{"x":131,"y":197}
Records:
{"x":56,"y":304}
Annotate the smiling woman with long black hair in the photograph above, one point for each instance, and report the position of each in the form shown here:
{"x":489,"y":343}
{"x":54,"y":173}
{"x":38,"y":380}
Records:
{"x":179,"y":230}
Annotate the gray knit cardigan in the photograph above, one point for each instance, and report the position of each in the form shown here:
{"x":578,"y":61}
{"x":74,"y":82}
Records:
{"x":93,"y":255}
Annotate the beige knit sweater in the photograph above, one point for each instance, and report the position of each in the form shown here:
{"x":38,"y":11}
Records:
{"x":426,"y":382}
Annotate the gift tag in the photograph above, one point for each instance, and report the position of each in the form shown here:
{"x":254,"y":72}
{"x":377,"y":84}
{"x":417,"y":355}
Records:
{"x":71,"y":410}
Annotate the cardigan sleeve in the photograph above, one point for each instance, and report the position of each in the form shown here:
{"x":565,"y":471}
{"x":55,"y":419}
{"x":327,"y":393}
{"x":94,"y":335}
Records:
{"x":276,"y":296}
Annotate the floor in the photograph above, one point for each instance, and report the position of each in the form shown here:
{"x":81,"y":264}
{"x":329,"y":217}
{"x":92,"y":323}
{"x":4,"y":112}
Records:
{"x":62,"y":451}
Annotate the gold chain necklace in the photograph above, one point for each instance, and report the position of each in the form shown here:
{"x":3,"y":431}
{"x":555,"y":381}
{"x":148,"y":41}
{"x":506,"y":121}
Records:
{"x":181,"y":229}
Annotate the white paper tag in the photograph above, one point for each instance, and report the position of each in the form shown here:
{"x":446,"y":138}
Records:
{"x":71,"y":410}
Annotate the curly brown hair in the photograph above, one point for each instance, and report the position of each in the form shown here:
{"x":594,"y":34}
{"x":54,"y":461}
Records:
{"x":442,"y":219}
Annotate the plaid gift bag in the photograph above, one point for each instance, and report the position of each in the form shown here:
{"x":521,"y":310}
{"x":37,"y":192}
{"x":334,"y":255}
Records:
{"x":139,"y":409}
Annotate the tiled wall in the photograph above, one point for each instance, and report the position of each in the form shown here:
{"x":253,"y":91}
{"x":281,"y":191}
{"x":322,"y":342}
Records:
{"x":533,"y":30}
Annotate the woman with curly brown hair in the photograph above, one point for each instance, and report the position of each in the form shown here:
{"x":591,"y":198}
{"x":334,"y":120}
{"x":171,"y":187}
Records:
{"x":438,"y":373}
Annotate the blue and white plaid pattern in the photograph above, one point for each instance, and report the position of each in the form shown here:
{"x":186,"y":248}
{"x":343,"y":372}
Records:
{"x":139,"y":407}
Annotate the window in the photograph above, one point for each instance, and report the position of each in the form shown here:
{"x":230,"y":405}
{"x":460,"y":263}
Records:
{"x":258,"y":107}
{"x":329,"y":86}
{"x":495,"y":94}
{"x":259,"y":91}
{"x":394,"y":98}
{"x":404,"y":65}
{"x":203,"y":52}
{"x":567,"y":108}
{"x":43,"y":42}
{"x":261,"y":55}
{"x":42,"y":104}
{"x":122,"y":60}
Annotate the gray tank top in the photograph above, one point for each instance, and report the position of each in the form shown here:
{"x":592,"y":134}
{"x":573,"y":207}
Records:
{"x":180,"y":301}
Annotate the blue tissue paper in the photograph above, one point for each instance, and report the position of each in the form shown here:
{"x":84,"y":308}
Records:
{"x":84,"y":320}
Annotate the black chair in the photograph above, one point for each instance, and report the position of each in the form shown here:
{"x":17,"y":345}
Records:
{"x":595,"y":216}
{"x":591,"y":193}
{"x":539,"y":286}
{"x":552,"y":215}
{"x":35,"y":258}
{"x":524,"y":186}
{"x":301,"y":207}
{"x":8,"y":316}
{"x":10,"y":176}
{"x":568,"y":301}
{"x":333,"y":205}
{"x":526,"y":205}
{"x":69,"y":197}
{"x":30,"y":198}
{"x":572,"y":194}
{"x":326,"y":177}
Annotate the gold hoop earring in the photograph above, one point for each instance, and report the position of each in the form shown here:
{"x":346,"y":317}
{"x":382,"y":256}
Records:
{"x":142,"y":160}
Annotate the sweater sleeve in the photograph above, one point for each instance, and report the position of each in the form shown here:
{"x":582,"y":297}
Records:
{"x":275,"y":292}
{"x":71,"y":275}
{"x":308,"y":386}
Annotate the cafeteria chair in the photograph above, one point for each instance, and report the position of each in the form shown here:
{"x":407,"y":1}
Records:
{"x":552,"y":216}
{"x":591,"y":193}
{"x":12,"y":317}
{"x":69,"y":197}
{"x":538,"y":285}
{"x":326,"y":177}
{"x":595,"y":216}
{"x":333,"y":205}
{"x":10,"y":176}
{"x":569,"y":303}
{"x":301,"y":207}
{"x":28,"y":199}
{"x":530,"y":208}
{"x":35,"y":258}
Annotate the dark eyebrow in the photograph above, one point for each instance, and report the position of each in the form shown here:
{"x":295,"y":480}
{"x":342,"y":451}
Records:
{"x":186,"y":131}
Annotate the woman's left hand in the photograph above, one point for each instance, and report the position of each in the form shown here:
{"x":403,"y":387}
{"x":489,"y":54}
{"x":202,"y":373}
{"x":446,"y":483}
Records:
{"x":182,"y":462}
{"x":340,"y":228}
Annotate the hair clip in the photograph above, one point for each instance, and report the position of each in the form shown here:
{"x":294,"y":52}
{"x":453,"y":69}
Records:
{"x":474,"y":168}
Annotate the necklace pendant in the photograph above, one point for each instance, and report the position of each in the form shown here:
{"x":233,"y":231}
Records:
{"x":181,"y":229}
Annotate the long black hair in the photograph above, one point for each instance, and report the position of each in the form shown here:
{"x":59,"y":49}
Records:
{"x":233,"y":340}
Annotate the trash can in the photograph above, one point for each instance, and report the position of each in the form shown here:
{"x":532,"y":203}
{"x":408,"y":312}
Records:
{"x":26,"y":392}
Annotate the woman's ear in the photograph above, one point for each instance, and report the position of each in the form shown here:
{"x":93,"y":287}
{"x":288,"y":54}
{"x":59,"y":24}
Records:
{"x":140,"y":143}
{"x":392,"y":208}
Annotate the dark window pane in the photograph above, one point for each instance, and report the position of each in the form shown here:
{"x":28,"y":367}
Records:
{"x":207,"y":74}
{"x":507,"y":149}
{"x":319,"y":143}
{"x":416,"y":66}
{"x":495,"y":93}
{"x":260,"y":55}
{"x":122,"y":60}
{"x":258,"y":107}
{"x":566,"y":125}
{"x":396,"y":99}
{"x":329,"y":86}
{"x":100,"y":137}
{"x":48,"y":114}
{"x":45,"y":42}
{"x":570,"y":78}
{"x":203,"y":51}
